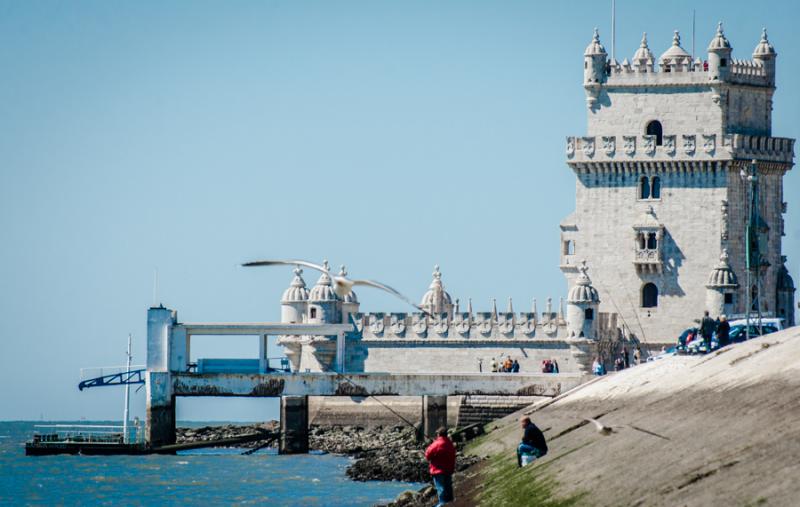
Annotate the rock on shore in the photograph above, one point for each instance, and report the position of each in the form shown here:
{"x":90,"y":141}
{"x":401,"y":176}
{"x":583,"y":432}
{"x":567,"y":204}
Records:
{"x":389,"y":453}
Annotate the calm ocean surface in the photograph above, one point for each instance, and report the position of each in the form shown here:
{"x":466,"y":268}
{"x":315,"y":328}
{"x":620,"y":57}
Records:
{"x":200,"y":477}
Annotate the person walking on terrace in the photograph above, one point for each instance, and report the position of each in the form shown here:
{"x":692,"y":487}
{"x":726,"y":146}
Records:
{"x":441,"y":456}
{"x":533,"y":445}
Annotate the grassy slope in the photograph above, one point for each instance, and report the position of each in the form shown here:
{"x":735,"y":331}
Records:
{"x":728,"y":428}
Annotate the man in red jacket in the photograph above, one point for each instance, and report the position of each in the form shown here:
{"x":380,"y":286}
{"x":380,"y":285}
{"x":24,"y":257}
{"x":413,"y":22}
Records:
{"x":441,"y":455}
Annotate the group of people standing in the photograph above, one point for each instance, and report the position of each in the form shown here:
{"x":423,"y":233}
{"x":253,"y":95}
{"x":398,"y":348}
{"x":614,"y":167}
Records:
{"x":507,"y":366}
{"x":624,"y":360}
{"x":721,"y":327}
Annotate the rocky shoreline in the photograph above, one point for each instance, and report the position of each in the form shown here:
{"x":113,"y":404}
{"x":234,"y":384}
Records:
{"x":389,"y":453}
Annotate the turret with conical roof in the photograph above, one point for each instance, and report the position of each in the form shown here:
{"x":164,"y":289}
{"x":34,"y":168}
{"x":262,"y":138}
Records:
{"x":322,"y":300}
{"x":765,"y":54}
{"x":436,"y":300}
{"x":582,"y":303}
{"x":719,"y":56}
{"x":721,"y":287}
{"x":643,"y":59}
{"x":349,"y":303}
{"x":595,"y":66}
{"x":295,"y":299}
{"x":675,"y":59}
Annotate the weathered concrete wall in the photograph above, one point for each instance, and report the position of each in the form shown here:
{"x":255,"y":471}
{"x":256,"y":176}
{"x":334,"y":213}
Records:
{"x":365,"y":384}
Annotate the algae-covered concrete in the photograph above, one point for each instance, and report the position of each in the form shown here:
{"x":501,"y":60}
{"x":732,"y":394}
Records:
{"x":722,"y":429}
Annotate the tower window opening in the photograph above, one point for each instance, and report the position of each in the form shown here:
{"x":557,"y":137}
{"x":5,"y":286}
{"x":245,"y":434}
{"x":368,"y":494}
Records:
{"x":655,"y":187}
{"x":649,"y":295}
{"x":728,"y":298}
{"x":644,"y":188}
{"x":723,"y":62}
{"x":569,"y":247}
{"x":652,"y":242}
{"x":642,"y":241}
{"x":654,"y":129}
{"x":588,"y":314}
{"x":313,"y":313}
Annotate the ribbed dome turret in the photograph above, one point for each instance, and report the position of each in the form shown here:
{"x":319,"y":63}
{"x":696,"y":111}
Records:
{"x":643,"y":54}
{"x":351,"y":296}
{"x":719,"y":41}
{"x":323,"y":290}
{"x":297,"y":290}
{"x":722,"y":276}
{"x":594,"y":47}
{"x":764,"y":48}
{"x":675,"y":54}
{"x":436,"y":299}
{"x":582,"y":291}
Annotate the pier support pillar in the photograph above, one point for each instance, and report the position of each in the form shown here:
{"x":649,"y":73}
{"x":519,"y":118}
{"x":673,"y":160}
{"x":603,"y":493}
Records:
{"x":294,"y":425}
{"x":434,"y":414}
{"x":160,"y":423}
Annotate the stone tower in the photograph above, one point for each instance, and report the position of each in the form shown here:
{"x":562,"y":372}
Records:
{"x":659,"y":195}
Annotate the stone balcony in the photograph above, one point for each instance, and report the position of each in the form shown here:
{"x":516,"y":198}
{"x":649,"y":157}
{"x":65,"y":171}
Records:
{"x":683,"y":147}
{"x":648,"y":260}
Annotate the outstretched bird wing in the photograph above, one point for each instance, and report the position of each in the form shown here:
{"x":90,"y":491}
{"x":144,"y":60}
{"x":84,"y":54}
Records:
{"x":295,"y":262}
{"x":390,"y":290}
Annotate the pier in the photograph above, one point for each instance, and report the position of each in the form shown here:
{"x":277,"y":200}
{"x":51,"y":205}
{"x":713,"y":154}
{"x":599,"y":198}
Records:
{"x":169,"y":374}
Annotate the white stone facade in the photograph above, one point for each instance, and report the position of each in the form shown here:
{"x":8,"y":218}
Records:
{"x":684,"y":130}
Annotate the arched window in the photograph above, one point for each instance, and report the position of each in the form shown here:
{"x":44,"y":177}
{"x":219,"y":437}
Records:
{"x":652,"y":242}
{"x":588,"y":314}
{"x":313,"y":313}
{"x":642,"y":241}
{"x":655,"y":187}
{"x":569,"y":247}
{"x":654,"y":129}
{"x":649,"y":295}
{"x":644,"y":188}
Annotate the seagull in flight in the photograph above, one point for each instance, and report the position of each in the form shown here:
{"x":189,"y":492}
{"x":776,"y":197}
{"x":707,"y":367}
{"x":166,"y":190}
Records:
{"x":607,"y":430}
{"x":342,"y":285}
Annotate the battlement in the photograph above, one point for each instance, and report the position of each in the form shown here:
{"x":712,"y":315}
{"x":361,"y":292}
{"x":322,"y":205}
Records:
{"x":479,"y":326}
{"x":742,"y":72}
{"x":689,"y":146}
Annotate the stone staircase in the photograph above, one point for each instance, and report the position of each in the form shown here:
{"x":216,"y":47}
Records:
{"x":481,"y":409}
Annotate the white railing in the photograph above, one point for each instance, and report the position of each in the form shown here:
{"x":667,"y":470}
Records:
{"x":88,"y":433}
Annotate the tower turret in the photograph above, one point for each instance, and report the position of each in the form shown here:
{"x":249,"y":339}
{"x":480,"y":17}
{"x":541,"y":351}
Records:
{"x":436,"y":300}
{"x":349,"y":304}
{"x":719,"y":56}
{"x":295,"y":300}
{"x":721,"y":288}
{"x":595,"y":66}
{"x":322,"y":301}
{"x":765,"y":54}
{"x":582,"y":303}
{"x":643,"y":60}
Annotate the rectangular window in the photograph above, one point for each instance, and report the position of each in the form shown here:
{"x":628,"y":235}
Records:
{"x":728,"y":298}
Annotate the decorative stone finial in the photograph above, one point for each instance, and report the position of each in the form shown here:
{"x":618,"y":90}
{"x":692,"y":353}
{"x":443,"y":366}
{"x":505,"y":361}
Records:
{"x":596,"y":35}
{"x":510,"y":306}
{"x":469,"y":306}
{"x":494,"y":307}
{"x":719,"y":28}
{"x":676,"y":39}
{"x":436,"y":273}
{"x":342,"y":270}
{"x":644,"y":41}
{"x":458,"y":310}
{"x":764,"y":35}
{"x":326,"y":265}
{"x":534,"y":311}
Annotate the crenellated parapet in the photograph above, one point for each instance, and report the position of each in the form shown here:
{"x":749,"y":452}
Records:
{"x":468,"y":327}
{"x":694,"y":146}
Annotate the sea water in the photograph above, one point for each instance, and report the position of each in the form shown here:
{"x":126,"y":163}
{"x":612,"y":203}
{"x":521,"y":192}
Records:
{"x":199,"y":477}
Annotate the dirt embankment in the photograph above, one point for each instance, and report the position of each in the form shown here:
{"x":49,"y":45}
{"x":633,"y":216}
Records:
{"x":722,"y":429}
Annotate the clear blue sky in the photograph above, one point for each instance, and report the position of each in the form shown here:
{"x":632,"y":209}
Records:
{"x":191,"y":136}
